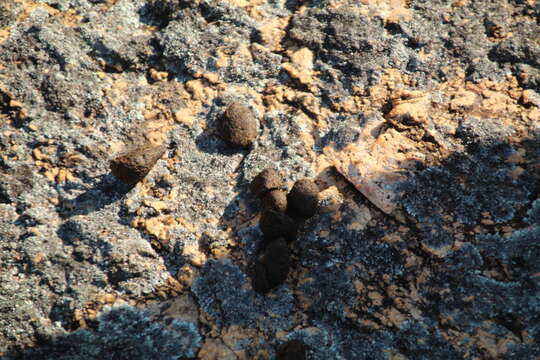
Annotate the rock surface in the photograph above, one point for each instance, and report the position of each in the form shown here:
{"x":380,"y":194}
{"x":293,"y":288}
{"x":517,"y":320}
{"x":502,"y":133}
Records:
{"x":419,"y":120}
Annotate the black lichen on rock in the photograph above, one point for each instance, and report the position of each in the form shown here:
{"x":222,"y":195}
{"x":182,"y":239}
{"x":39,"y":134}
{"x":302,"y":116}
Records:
{"x":275,"y":224}
{"x":221,"y":293}
{"x":238,"y":125}
{"x":303,"y":199}
{"x":133,"y":165}
{"x":266,"y":180}
{"x":124,"y":333}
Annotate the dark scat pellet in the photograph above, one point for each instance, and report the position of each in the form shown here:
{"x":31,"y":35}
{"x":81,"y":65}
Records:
{"x":275,"y":200}
{"x":268,"y":179}
{"x":275,"y":224}
{"x":291,"y":350}
{"x":277,"y":261}
{"x":239,"y":125}
{"x":258,"y":281}
{"x":132,"y":166}
{"x":303,"y":199}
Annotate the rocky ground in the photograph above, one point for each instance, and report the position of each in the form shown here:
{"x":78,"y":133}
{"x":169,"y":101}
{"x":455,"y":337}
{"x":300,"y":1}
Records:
{"x":419,"y":121}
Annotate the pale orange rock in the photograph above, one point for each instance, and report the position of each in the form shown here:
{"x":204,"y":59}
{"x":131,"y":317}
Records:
{"x":376,"y":162}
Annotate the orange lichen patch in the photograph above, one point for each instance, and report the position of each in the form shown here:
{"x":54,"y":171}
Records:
{"x":251,"y":7}
{"x":214,"y":349}
{"x":362,"y":216}
{"x":494,"y":346}
{"x":158,"y":226}
{"x":158,"y":75}
{"x":234,"y":335}
{"x":411,"y":104}
{"x":273,"y":32}
{"x":301,"y":66}
{"x":43,"y":161}
{"x":194,"y":255}
{"x":391,"y":11}
{"x":186,"y":116}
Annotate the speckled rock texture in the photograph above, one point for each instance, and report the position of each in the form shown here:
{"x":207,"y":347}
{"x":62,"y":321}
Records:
{"x":418,"y":120}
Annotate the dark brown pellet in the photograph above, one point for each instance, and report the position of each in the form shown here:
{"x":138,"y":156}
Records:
{"x":275,"y":200}
{"x":238,"y":125}
{"x":275,"y":224}
{"x":258,"y":281}
{"x":268,"y":179}
{"x":132,"y":166}
{"x":303,"y":199}
{"x":277,"y":261}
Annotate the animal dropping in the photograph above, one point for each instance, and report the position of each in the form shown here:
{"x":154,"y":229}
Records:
{"x":275,"y":200}
{"x":277,"y":261}
{"x":275,"y":224}
{"x":238,"y":125}
{"x":133,"y":165}
{"x":268,"y":179}
{"x":303,"y":199}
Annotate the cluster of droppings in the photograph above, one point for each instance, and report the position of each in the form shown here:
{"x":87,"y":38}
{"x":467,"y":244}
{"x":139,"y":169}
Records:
{"x":280,"y":220}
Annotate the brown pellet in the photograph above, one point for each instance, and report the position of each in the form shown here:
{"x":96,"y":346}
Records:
{"x":303,"y":199}
{"x":133,"y":165}
{"x":238,"y":125}
{"x":268,"y":179}
{"x":275,"y":200}
{"x":275,"y":224}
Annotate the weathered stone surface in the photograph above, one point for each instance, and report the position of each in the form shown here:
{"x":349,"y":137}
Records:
{"x":427,"y":111}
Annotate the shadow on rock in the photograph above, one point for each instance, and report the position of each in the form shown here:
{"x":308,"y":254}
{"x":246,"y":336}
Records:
{"x":123,"y":332}
{"x":107,"y":191}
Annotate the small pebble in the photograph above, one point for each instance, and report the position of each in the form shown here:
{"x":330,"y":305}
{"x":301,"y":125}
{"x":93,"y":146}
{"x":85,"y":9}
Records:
{"x":291,"y":350}
{"x":275,"y":200}
{"x":303,"y":198}
{"x":132,"y":166}
{"x":268,"y":179}
{"x":277,"y":261}
{"x":239,"y":125}
{"x":275,"y":224}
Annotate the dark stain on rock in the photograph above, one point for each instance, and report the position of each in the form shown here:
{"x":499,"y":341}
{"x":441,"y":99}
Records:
{"x":291,"y":350}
